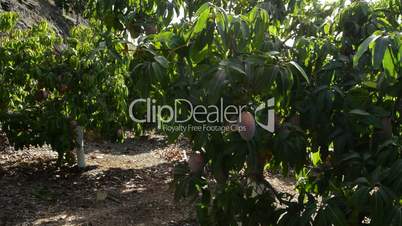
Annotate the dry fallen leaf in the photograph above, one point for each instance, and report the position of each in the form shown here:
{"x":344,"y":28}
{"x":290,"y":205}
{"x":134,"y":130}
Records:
{"x":101,"y":196}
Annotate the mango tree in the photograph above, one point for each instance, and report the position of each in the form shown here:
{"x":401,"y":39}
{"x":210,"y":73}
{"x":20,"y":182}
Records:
{"x":50,"y":88}
{"x":334,"y":71}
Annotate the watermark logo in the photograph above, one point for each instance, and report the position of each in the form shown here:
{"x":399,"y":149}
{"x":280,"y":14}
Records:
{"x":270,"y":126}
{"x":177,"y":117}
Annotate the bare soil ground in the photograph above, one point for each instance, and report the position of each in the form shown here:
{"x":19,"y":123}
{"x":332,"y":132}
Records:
{"x":124,"y":184}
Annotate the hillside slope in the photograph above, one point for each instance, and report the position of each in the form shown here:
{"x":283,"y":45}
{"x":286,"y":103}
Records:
{"x":33,"y":11}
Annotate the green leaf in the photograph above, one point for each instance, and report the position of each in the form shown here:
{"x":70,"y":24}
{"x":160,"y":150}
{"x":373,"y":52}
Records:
{"x":336,"y":215}
{"x":245,"y":30}
{"x":202,"y":21}
{"x":351,"y":157}
{"x":301,"y":70}
{"x":397,"y":218}
{"x":327,"y":27}
{"x":237,"y":67}
{"x":156,"y":70}
{"x":363,"y":48}
{"x":259,"y":33}
{"x":215,"y":86}
{"x":359,"y":112}
{"x":360,"y":197}
{"x":378,"y":51}
{"x":162,"y":61}
{"x":198,"y":55}
{"x":315,"y":158}
{"x":170,"y":39}
{"x":370,"y":84}
{"x":202,"y":9}
{"x":284,"y":80}
{"x":377,"y":205}
{"x":388,"y":63}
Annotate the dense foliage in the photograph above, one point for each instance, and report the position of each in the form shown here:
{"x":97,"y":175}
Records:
{"x":49,"y":85}
{"x":335,"y":72}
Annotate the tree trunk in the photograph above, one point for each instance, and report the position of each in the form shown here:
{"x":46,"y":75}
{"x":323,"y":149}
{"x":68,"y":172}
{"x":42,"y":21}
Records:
{"x":80,"y":147}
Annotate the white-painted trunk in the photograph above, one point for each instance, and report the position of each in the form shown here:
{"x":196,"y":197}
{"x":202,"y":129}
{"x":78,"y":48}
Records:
{"x":80,"y":147}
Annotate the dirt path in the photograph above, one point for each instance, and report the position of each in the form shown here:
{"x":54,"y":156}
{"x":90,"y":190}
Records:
{"x":125,"y":184}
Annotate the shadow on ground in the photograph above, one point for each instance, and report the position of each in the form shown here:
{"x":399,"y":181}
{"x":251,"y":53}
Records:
{"x":35,"y":192}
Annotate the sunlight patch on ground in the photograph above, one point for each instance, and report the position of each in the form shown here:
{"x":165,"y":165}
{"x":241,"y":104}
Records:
{"x":57,"y":219}
{"x":137,"y":161}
